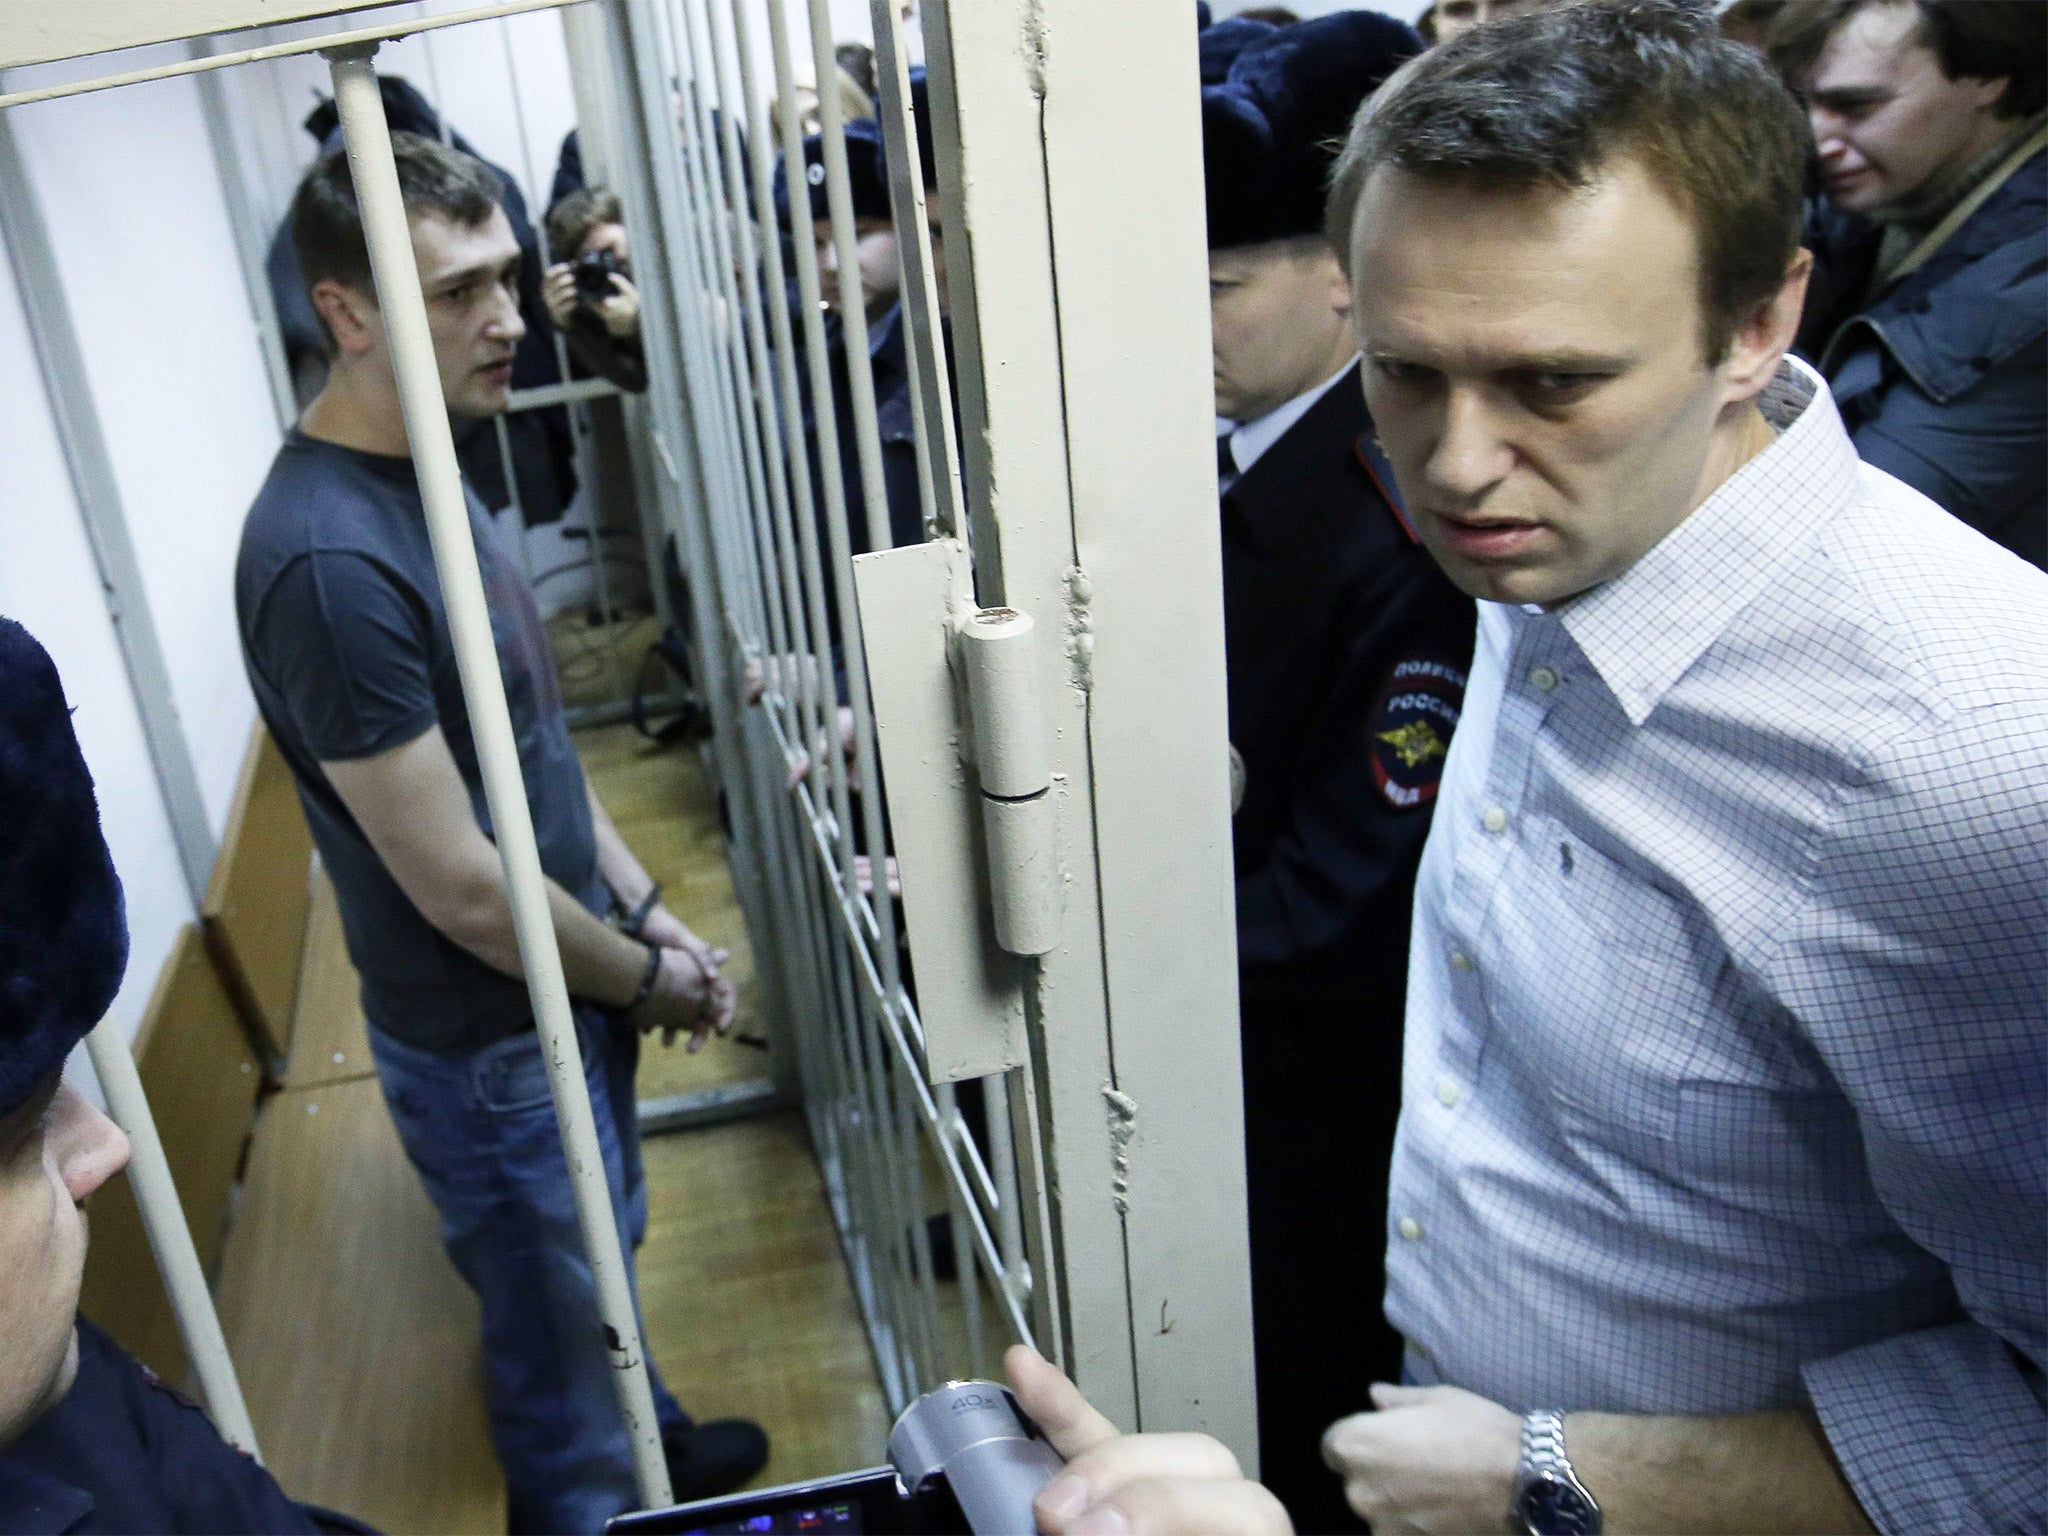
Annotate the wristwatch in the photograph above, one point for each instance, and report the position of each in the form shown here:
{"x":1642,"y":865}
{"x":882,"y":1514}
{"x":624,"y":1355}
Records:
{"x":1549,"y":1498}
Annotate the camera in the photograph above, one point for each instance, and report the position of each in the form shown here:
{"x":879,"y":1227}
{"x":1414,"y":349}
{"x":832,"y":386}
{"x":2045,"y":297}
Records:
{"x":593,"y":273}
{"x":963,"y":1461}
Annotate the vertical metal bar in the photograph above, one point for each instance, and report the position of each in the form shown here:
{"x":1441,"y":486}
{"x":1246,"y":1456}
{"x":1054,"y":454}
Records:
{"x":747,"y":358}
{"x":678,"y":397}
{"x":815,"y":719}
{"x":830,"y":486}
{"x":988,"y":71}
{"x":1002,"y":1151}
{"x":651,"y":191}
{"x":579,"y":425}
{"x":439,"y":102}
{"x":91,"y":466}
{"x":163,"y":1218}
{"x":750,"y":563}
{"x":897,"y":1101}
{"x":717,"y":566}
{"x":868,"y":446}
{"x":770,"y":432}
{"x":251,"y":242}
{"x":397,"y":284}
{"x":938,"y":464}
{"x":966,"y":1256}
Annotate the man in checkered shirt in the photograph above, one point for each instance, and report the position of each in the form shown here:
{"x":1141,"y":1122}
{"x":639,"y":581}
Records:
{"x":1718,"y":1198}
{"x":1722,"y":1136}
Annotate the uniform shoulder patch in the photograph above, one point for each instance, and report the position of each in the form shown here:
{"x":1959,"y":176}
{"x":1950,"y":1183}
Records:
{"x":1410,"y":728}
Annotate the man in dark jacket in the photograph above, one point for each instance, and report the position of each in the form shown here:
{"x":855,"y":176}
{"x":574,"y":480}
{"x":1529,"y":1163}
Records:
{"x":1346,"y":652}
{"x":1929,"y":307}
{"x":89,"y":1440}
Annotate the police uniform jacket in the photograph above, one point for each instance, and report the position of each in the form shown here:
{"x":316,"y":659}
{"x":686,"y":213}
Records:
{"x":894,"y":424}
{"x":1347,"y":651}
{"x":122,"y":1452}
{"x":1346,"y":656}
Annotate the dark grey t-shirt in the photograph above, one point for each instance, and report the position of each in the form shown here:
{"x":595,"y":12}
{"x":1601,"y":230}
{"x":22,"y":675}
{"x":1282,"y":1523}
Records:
{"x":349,"y":654}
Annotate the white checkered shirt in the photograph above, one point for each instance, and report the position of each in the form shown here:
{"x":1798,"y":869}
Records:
{"x":1726,"y":1084}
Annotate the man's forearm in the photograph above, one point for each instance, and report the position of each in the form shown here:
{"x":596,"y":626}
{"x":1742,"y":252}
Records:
{"x":599,"y":963}
{"x":622,"y":871}
{"x":1746,"y":1473}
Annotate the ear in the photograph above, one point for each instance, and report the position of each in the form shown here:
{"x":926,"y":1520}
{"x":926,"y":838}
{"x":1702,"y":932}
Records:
{"x":1987,"y":91}
{"x":1761,"y":342}
{"x":1337,"y":283}
{"x":351,"y":316}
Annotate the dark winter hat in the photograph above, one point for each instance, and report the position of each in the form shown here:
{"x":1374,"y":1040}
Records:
{"x":1272,"y":128}
{"x":1220,"y":44}
{"x":866,"y":172}
{"x":63,"y":929}
{"x":867,"y":167}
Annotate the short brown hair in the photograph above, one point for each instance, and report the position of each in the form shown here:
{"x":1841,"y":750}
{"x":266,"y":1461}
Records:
{"x":1552,"y":97}
{"x":327,"y":225}
{"x":1971,"y":40}
{"x":570,"y":221}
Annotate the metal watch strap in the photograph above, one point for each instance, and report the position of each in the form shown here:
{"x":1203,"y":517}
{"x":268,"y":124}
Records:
{"x":1549,"y":1498}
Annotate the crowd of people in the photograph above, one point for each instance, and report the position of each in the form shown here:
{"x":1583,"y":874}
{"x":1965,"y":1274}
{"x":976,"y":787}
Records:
{"x":1631,"y":438}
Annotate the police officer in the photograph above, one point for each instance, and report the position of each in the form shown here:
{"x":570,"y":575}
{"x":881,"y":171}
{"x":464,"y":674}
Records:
{"x":1346,"y":652}
{"x":880,"y":285}
{"x":89,"y":1439}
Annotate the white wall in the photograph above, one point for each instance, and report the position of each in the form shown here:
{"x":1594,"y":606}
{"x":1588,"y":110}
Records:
{"x":49,"y":583}
{"x":147,"y":259}
{"x":149,"y":277}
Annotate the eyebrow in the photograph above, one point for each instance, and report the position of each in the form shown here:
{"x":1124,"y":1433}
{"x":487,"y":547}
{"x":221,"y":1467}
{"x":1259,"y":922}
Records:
{"x":462,"y":275}
{"x":1547,"y":362}
{"x":1849,"y":95}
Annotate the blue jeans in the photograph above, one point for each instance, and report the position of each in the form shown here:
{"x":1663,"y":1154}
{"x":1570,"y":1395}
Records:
{"x":481,"y":1131}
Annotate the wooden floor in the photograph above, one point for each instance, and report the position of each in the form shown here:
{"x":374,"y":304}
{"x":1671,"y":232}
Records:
{"x":357,"y":1342}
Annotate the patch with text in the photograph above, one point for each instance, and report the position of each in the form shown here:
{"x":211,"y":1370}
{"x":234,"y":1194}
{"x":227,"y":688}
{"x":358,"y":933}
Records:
{"x":1411,"y":727}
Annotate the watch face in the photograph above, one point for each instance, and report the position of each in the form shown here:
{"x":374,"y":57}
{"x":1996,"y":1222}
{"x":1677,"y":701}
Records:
{"x":1554,"y":1507}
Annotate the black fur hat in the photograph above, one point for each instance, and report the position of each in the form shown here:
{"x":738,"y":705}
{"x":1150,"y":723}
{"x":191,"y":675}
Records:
{"x":1272,"y":128}
{"x":63,"y":929}
{"x":1219,"y":45}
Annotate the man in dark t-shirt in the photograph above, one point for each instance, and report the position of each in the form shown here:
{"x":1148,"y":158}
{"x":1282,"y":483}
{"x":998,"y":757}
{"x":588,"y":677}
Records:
{"x":348,"y":650}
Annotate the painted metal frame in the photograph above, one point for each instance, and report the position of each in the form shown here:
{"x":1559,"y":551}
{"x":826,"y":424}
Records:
{"x":91,"y":466}
{"x":1100,"y":1213}
{"x":1067,"y":310}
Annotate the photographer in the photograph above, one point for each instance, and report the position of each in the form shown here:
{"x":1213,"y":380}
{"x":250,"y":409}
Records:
{"x":588,"y":291}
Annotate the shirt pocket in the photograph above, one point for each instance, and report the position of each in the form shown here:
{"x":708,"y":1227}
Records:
{"x":1628,"y":985}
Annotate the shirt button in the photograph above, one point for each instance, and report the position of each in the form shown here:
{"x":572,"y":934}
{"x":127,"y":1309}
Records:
{"x":1446,"y":1092}
{"x":1460,"y":961}
{"x":1543,"y":678}
{"x":1410,"y":1228}
{"x":1495,"y":819}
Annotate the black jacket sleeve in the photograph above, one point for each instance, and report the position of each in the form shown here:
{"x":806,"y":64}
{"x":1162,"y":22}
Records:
{"x":147,"y":1459}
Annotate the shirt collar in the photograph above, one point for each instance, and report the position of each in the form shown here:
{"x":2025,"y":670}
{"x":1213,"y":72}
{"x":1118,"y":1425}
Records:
{"x":34,"y":1503}
{"x":1252,"y":439}
{"x":1644,"y":629}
